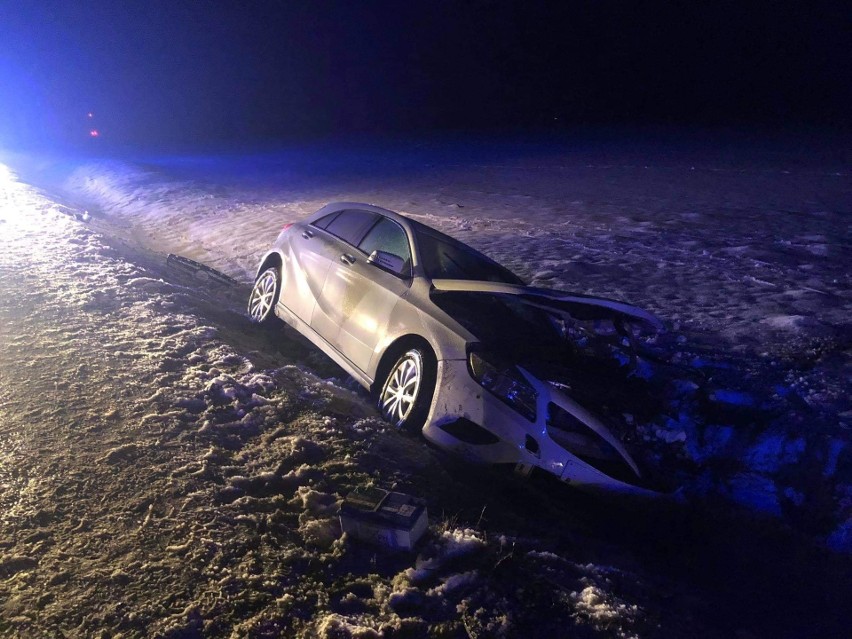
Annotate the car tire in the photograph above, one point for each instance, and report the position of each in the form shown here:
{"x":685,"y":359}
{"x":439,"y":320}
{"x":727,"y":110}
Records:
{"x":407,"y":392}
{"x":264,"y":297}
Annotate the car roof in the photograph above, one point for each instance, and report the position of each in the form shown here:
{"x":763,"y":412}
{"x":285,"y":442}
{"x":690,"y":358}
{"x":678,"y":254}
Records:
{"x":413,"y":227}
{"x":361,"y":206}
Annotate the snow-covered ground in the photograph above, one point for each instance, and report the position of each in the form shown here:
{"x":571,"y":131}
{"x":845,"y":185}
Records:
{"x":166,"y":470}
{"x":744,"y":253}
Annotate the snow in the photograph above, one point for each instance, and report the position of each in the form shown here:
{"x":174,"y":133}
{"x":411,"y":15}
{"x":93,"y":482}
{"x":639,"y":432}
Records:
{"x":732,"y":397}
{"x":771,"y":451}
{"x":757,"y":492}
{"x":335,"y":626}
{"x":195,"y":463}
{"x":593,"y":605}
{"x":454,"y":582}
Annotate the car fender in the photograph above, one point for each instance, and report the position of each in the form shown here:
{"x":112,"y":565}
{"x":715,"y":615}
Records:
{"x":458,"y":396}
{"x":414,"y":309}
{"x":261,"y":265}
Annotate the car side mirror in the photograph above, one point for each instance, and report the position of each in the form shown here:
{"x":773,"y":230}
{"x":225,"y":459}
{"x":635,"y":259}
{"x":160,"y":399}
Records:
{"x":388,"y":262}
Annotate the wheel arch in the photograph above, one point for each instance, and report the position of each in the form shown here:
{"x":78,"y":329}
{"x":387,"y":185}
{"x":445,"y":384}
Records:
{"x":273,"y":258}
{"x":394,"y":351}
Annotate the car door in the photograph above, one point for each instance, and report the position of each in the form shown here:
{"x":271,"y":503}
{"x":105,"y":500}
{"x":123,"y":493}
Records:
{"x":343,"y":233}
{"x":362,"y":294}
{"x":307,"y":261}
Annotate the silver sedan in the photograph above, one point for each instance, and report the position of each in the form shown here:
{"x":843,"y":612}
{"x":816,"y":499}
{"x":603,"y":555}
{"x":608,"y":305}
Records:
{"x":447,"y":340}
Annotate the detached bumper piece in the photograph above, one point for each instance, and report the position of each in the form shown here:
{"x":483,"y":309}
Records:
{"x":393,"y":520}
{"x":198,"y":270}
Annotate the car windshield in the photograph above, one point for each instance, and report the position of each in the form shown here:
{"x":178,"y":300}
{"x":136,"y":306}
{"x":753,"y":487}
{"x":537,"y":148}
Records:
{"x":445,"y":258}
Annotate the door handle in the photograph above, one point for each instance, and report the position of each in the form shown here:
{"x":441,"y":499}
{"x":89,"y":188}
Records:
{"x":307,"y":234}
{"x":347,"y":259}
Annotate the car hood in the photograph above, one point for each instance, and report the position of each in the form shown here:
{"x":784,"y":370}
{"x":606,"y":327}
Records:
{"x":577,"y":305}
{"x":592,"y":367}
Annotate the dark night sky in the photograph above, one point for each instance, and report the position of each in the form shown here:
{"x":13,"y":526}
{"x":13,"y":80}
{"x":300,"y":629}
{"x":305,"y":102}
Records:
{"x":210,"y":72}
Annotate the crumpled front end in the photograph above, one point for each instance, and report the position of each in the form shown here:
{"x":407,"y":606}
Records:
{"x":562,"y":437}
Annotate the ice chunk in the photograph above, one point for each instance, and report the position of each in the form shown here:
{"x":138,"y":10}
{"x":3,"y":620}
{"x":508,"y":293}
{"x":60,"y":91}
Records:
{"x":755,"y":492}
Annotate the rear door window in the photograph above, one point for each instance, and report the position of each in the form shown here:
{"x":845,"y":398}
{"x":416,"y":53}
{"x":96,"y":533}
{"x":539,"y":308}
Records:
{"x":324,"y":221}
{"x":351,"y":226}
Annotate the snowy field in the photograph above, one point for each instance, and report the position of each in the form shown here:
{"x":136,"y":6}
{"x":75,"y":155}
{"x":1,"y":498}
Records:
{"x":167,"y":470}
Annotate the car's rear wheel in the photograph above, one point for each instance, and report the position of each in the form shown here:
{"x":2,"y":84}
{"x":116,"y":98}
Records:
{"x":407,"y":391}
{"x":264,"y":296}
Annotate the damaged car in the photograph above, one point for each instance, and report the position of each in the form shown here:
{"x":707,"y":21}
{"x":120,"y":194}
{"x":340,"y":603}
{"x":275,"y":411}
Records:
{"x":454,"y":344}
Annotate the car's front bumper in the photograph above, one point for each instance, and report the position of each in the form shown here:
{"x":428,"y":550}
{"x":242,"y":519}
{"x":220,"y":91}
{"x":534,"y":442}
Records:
{"x":461,"y":409}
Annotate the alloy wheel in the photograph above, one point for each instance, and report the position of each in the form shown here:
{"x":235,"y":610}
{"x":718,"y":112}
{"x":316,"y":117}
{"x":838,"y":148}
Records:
{"x":402,"y":387}
{"x":263,"y":295}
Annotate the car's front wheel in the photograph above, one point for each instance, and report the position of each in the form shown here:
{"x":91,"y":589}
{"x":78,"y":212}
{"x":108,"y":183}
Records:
{"x":407,"y":391}
{"x":264,"y":296}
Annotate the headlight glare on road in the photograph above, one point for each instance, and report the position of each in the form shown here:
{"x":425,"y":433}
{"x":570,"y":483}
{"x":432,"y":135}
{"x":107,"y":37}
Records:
{"x":505,"y":382}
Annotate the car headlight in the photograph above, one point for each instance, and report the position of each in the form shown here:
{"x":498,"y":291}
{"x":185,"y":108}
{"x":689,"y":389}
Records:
{"x":505,"y":382}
